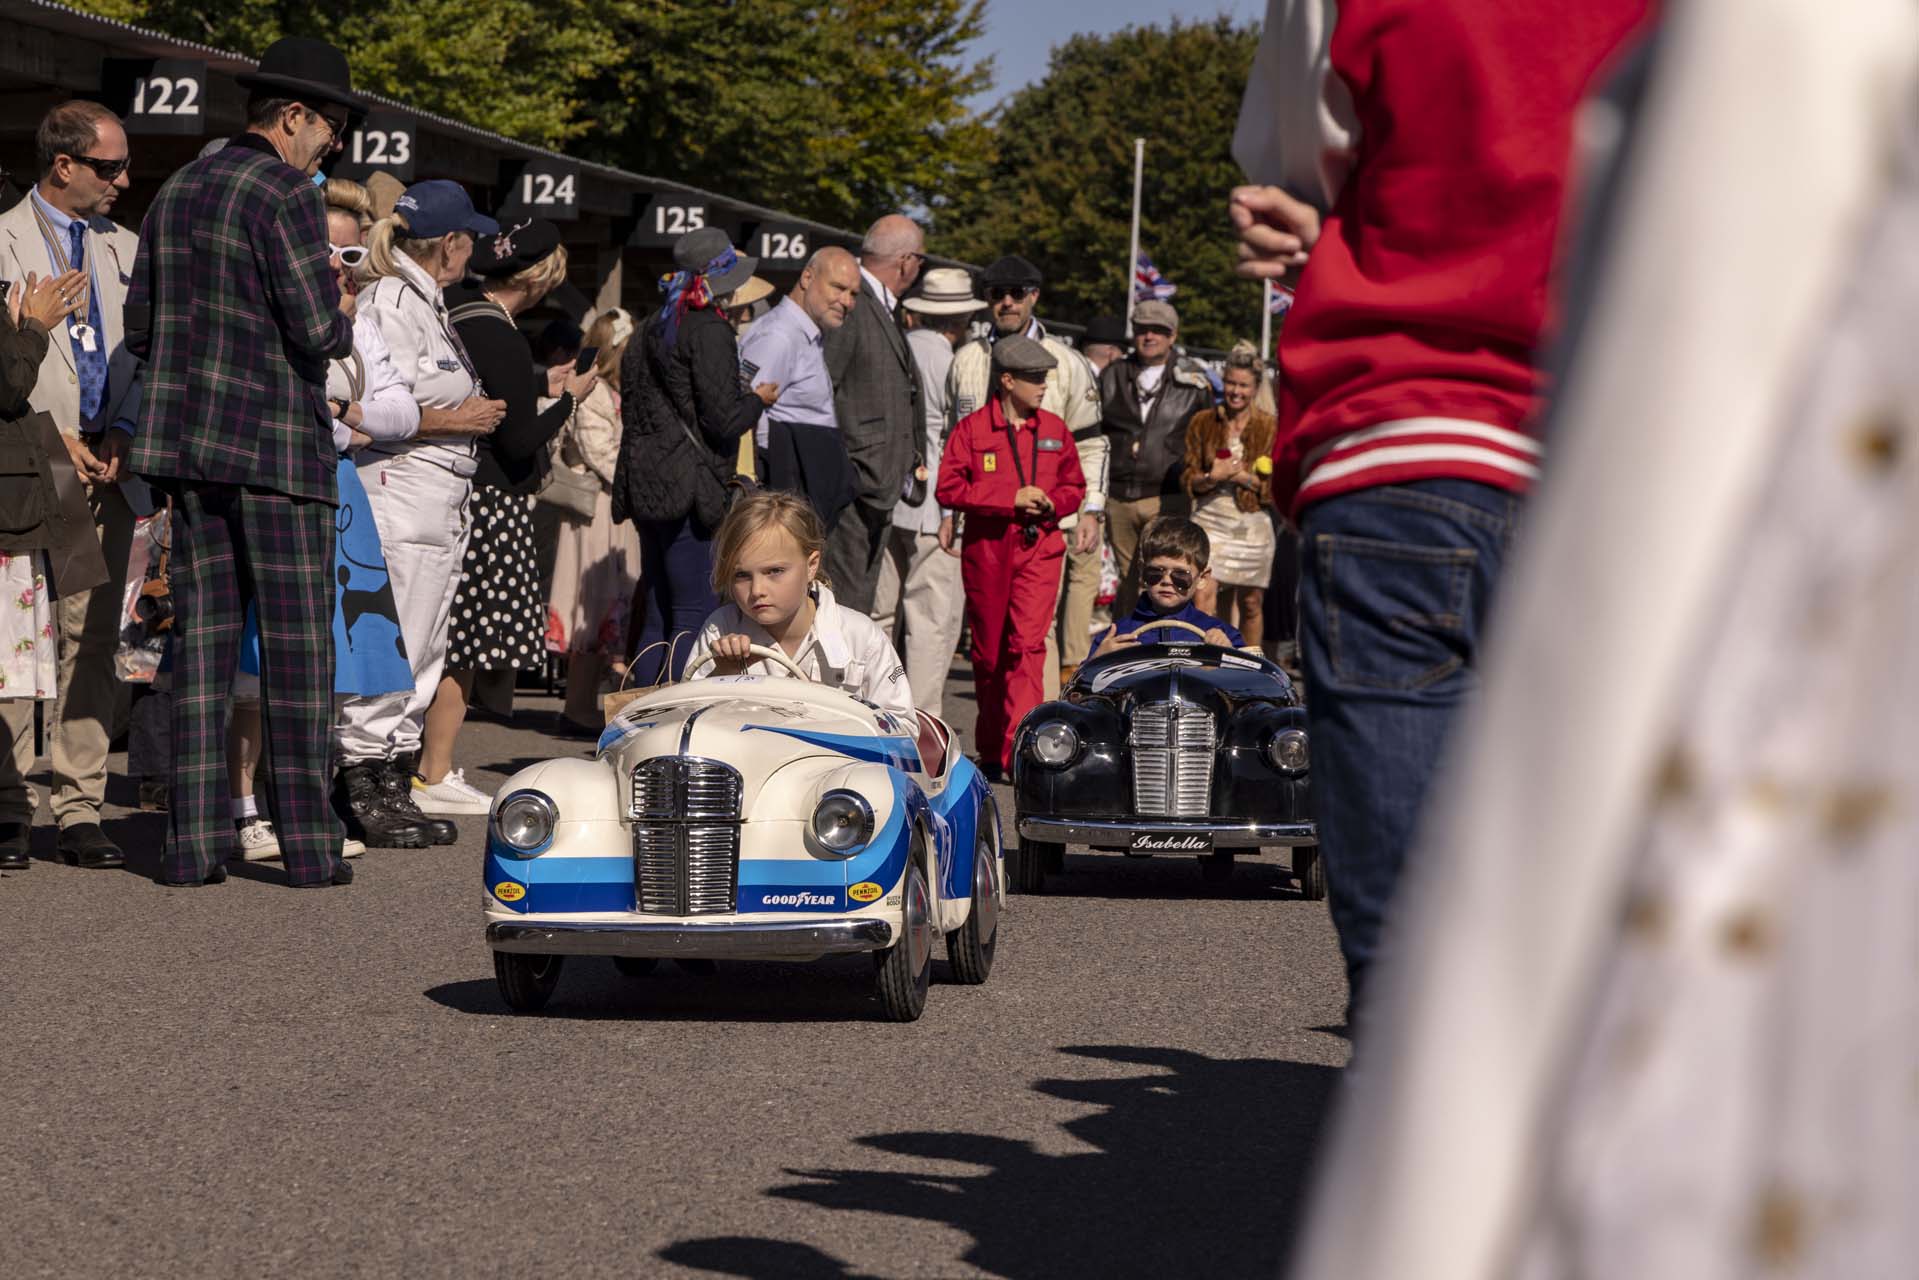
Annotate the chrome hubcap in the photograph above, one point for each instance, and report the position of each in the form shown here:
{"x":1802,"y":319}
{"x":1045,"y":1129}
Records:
{"x":919,"y":926}
{"x":985,"y":899}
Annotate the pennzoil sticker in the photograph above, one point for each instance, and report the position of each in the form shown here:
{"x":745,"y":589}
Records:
{"x":508,"y":891}
{"x":865,"y":891}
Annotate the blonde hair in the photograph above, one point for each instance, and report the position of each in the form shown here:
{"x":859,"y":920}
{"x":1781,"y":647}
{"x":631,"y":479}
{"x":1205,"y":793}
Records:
{"x":610,"y":333}
{"x":754,"y":515}
{"x":347,"y":196}
{"x":539,"y":279}
{"x":391,"y":235}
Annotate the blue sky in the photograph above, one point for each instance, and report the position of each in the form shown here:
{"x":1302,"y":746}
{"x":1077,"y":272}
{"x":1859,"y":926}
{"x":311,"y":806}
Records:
{"x":1021,"y":33}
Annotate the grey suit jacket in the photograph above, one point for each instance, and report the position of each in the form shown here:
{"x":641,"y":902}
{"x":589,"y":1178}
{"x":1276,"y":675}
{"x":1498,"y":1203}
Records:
{"x":876,"y":397}
{"x":22,"y":250}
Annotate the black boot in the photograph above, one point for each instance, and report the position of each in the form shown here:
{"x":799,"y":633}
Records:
{"x":13,"y":846}
{"x":360,"y":804}
{"x":396,"y":793}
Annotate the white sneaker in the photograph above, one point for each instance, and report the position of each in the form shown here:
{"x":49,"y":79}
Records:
{"x":352,"y":848}
{"x":450,"y":795}
{"x":258,"y":843}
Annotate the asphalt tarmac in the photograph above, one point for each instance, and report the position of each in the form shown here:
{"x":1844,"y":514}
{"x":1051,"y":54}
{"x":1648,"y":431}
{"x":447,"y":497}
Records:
{"x":245,"y":1080}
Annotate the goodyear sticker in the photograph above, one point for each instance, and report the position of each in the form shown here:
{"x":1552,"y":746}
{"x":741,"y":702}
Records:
{"x":989,"y":463}
{"x":865,"y":891}
{"x":508,"y":891}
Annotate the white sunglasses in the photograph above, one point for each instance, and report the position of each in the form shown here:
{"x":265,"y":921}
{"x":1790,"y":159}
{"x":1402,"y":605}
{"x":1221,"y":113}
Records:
{"x":351,"y":255}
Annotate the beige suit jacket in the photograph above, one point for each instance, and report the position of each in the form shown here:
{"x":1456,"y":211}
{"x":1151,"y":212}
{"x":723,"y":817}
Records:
{"x":23,"y":250}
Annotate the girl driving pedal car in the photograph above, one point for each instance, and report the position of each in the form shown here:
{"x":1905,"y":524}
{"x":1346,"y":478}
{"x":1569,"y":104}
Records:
{"x":767,"y":562}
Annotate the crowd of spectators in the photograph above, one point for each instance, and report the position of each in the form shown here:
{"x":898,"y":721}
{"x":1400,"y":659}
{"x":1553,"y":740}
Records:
{"x":382,"y":481}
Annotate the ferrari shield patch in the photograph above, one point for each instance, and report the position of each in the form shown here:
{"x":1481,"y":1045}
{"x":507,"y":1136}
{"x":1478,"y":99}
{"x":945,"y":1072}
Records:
{"x":989,"y":463}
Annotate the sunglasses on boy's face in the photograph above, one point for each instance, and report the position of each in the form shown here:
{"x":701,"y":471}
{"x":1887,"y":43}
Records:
{"x":348,"y":255}
{"x":1155,"y":574}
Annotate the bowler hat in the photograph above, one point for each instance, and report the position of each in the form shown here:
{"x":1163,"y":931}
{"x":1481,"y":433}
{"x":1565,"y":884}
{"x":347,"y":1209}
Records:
{"x":1011,"y":272}
{"x":709,"y":252}
{"x":1110,"y":330}
{"x":513,"y":249}
{"x":304,"y":69}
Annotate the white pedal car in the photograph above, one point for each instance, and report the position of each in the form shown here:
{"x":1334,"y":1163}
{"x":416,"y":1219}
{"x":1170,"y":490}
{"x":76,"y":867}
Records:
{"x":748,"y":818}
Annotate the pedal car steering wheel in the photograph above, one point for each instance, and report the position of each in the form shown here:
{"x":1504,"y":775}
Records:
{"x":1170,"y":622}
{"x":755,"y":651}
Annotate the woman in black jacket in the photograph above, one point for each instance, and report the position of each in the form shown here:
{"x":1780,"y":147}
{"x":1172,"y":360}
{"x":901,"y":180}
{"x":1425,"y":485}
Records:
{"x":498,"y":617}
{"x":685,"y":407}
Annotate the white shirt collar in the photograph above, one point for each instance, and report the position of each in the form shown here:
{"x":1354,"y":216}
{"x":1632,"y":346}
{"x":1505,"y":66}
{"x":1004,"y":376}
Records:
{"x":416,"y":273}
{"x":828,"y":634}
{"x":886,"y":294}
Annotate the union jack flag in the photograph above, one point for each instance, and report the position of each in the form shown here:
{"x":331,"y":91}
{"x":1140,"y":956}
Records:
{"x":1148,"y":284}
{"x":1281,"y":301}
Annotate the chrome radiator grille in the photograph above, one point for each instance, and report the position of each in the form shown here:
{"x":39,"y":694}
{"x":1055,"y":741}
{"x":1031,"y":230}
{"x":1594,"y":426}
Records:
{"x":686,"y":836}
{"x":1172,"y":745}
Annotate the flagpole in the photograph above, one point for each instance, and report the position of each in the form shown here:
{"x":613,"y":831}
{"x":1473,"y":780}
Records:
{"x":1266,"y":321}
{"x":1132,"y":258}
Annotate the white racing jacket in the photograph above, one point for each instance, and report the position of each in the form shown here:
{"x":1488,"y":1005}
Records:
{"x":845,"y":649}
{"x":1072,"y":393}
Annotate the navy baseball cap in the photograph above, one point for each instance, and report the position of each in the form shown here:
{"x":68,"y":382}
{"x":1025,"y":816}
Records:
{"x":438,"y":207}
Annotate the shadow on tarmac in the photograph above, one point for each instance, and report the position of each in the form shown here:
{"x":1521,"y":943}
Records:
{"x":1198,"y":1167}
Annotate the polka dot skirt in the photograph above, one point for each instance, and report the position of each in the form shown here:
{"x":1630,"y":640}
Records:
{"x":499,"y":611}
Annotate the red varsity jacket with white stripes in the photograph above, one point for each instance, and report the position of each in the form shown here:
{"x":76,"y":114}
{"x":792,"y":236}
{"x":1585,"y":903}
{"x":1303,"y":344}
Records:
{"x":1409,"y":353}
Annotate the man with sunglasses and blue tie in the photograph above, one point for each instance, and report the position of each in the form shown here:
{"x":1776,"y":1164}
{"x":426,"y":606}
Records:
{"x":90,"y":384}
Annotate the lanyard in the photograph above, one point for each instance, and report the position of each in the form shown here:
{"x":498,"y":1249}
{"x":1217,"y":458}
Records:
{"x":1012,"y":447}
{"x":77,"y":325}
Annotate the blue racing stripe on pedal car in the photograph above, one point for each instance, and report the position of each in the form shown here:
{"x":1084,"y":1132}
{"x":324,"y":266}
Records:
{"x":578,"y":884}
{"x":898,"y":752}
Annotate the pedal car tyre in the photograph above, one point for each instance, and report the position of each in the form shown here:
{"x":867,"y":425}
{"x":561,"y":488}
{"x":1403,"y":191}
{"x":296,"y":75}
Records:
{"x":1029,"y":866}
{"x":1217,"y":867}
{"x":1311,"y":870}
{"x":526,"y":982}
{"x":970,"y":948}
{"x":906,"y":967}
{"x":635,"y":966}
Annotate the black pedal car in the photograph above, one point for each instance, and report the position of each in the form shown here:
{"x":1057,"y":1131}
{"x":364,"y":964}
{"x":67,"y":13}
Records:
{"x":1186,"y":749}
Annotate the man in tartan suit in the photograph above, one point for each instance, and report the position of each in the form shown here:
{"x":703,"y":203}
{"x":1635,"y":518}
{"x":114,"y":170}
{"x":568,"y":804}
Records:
{"x":237,"y":312}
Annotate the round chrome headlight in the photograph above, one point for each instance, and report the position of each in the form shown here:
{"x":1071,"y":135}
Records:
{"x":525,"y":821}
{"x":843,"y":822}
{"x":1055,"y":743}
{"x":1287,"y":750}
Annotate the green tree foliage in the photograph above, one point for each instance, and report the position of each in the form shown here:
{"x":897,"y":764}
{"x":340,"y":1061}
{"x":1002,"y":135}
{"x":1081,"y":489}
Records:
{"x":839,"y":110}
{"x":1060,"y":188}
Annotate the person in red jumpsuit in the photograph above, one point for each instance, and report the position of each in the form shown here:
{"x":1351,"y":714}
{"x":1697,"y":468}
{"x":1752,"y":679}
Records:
{"x":1010,"y":469}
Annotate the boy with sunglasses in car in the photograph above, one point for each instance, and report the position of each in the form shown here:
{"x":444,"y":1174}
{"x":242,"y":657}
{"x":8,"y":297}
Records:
{"x":1174,"y":553}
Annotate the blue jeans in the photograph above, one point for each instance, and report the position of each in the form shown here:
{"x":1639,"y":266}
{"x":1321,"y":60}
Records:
{"x":676,"y":575}
{"x":1395,"y":585}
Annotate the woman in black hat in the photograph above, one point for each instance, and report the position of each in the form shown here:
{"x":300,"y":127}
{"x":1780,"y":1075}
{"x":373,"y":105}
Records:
{"x":499,"y":609}
{"x":685,"y":410}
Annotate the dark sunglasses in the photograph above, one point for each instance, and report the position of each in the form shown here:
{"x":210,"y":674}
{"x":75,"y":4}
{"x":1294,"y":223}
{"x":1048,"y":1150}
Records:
{"x":1152,"y":328}
{"x":105,"y":170}
{"x":1155,"y":574}
{"x":1000,"y":292}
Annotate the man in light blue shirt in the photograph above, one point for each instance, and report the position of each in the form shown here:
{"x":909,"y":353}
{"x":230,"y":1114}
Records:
{"x":798,"y":439}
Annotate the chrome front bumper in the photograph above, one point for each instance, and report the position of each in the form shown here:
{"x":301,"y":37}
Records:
{"x":787,"y":940}
{"x":1098,"y":832}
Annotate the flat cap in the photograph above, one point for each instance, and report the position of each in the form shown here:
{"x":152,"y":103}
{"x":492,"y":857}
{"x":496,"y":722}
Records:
{"x":1160,"y":315}
{"x":1012,"y":272}
{"x":1021,"y":354}
{"x":1110,"y":330}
